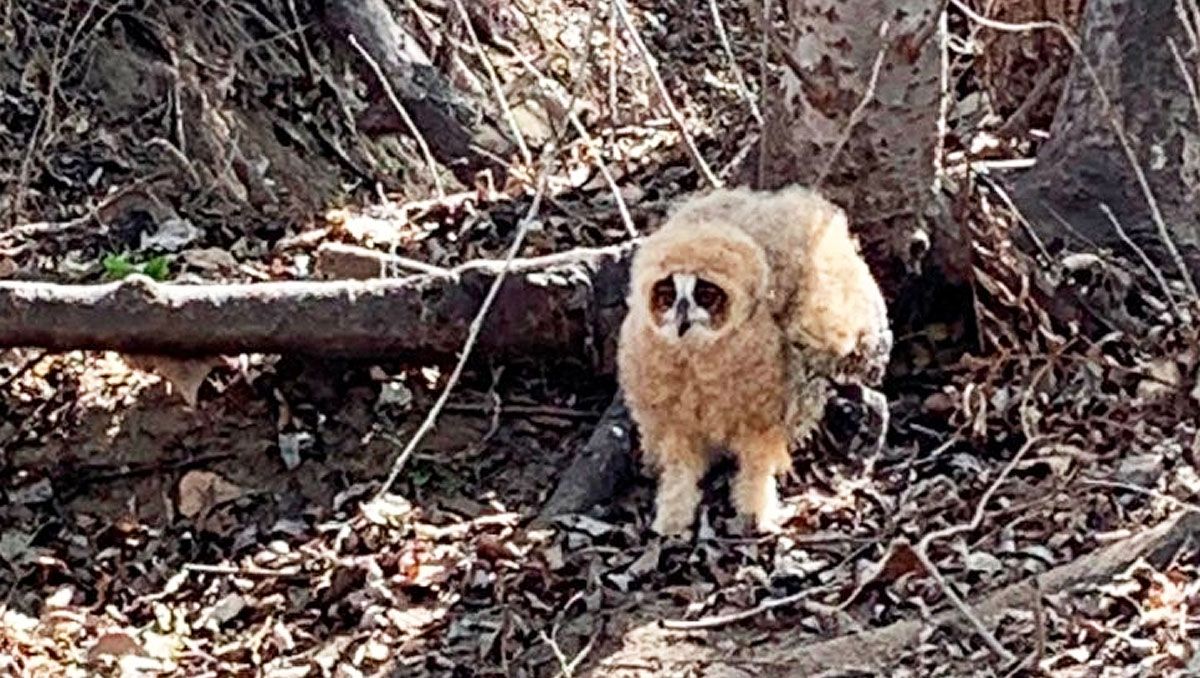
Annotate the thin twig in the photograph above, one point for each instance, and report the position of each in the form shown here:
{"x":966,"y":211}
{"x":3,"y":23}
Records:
{"x":1146,"y":261}
{"x":551,"y":87}
{"x":1187,"y":77}
{"x":676,"y":116}
{"x":800,"y":599}
{"x":23,"y":369}
{"x":572,"y":256}
{"x":525,"y":410}
{"x":1019,"y":120}
{"x":408,"y":121}
{"x":497,"y":88}
{"x":764,"y":68}
{"x":857,"y":114}
{"x":472,"y":336}
{"x":743,"y":89}
{"x":739,"y":158}
{"x":394,"y":262}
{"x":1111,"y":116}
{"x":242,"y":571}
{"x":613,"y":55}
{"x":1145,"y":491}
{"x":964,"y":609}
{"x":566,"y":667}
{"x":921,"y":550}
{"x":980,"y":509}
{"x":45,"y":120}
{"x":719,"y":620}
{"x":944,"y":98}
{"x":1039,"y":618}
{"x":1024,"y":222}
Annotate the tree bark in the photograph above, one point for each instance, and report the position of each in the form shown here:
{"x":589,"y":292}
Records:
{"x":1129,"y":43}
{"x":597,"y":473}
{"x":870,"y":148}
{"x":449,"y":122}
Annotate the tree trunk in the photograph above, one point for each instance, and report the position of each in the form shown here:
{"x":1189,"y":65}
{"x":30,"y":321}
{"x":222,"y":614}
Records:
{"x":870,"y":148}
{"x":1129,"y":43}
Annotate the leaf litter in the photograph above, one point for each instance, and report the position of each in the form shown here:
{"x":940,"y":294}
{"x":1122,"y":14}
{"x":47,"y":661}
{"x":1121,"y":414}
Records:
{"x":237,"y":535}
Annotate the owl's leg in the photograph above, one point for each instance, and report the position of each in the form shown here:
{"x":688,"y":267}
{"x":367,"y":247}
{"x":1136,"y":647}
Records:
{"x":681,"y":468}
{"x":761,"y":457}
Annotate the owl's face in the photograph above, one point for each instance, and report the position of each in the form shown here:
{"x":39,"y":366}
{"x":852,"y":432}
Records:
{"x":688,"y":306}
{"x":696,"y":280}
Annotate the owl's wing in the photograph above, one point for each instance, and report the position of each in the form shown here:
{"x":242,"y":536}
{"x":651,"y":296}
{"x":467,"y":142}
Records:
{"x":835,"y":310}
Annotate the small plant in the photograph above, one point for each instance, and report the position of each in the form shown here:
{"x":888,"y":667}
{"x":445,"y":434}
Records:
{"x":118,"y":266}
{"x":157,"y":268}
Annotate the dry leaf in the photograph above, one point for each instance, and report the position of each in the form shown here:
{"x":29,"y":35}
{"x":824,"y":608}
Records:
{"x":186,"y":375}
{"x":1164,"y":380}
{"x":115,"y":644}
{"x":200,"y":491}
{"x":389,"y":509}
{"x":172,"y":235}
{"x":210,"y":259}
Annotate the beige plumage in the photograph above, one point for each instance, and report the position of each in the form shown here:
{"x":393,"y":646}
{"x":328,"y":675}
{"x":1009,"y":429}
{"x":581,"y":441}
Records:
{"x":743,"y":308}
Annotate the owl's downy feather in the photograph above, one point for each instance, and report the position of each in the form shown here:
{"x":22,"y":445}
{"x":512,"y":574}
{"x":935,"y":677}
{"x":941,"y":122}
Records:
{"x":822,"y":293}
{"x":802,"y":311}
{"x":823,"y":297}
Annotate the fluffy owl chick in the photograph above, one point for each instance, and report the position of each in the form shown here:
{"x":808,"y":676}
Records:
{"x":742,"y":309}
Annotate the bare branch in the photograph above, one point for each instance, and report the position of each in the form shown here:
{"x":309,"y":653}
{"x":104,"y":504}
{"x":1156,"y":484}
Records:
{"x":421,"y":315}
{"x":472,"y":336}
{"x":551,"y":87}
{"x":494,"y":79}
{"x":402,"y":112}
{"x":1146,"y":261}
{"x":743,"y":89}
{"x":676,"y":116}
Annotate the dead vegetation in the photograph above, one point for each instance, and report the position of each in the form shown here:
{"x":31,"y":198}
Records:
{"x":1032,"y":513}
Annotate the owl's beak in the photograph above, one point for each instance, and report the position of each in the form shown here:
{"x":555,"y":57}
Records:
{"x":681,"y":311}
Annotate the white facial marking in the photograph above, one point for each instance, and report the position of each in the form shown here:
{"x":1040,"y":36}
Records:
{"x":686,"y":318}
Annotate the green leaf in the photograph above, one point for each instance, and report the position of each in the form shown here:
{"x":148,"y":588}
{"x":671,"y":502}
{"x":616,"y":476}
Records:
{"x":157,"y":268}
{"x":117,"y":266}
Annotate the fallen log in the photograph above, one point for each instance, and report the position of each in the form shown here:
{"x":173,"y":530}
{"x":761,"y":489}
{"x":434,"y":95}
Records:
{"x":566,"y":305}
{"x":657,"y":651}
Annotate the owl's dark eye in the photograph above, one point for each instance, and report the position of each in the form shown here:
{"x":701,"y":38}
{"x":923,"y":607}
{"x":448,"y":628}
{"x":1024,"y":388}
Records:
{"x":662,"y":296}
{"x":709,"y":297}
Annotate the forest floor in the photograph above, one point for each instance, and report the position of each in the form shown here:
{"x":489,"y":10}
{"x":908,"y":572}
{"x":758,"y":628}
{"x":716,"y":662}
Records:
{"x":1033,"y":471}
